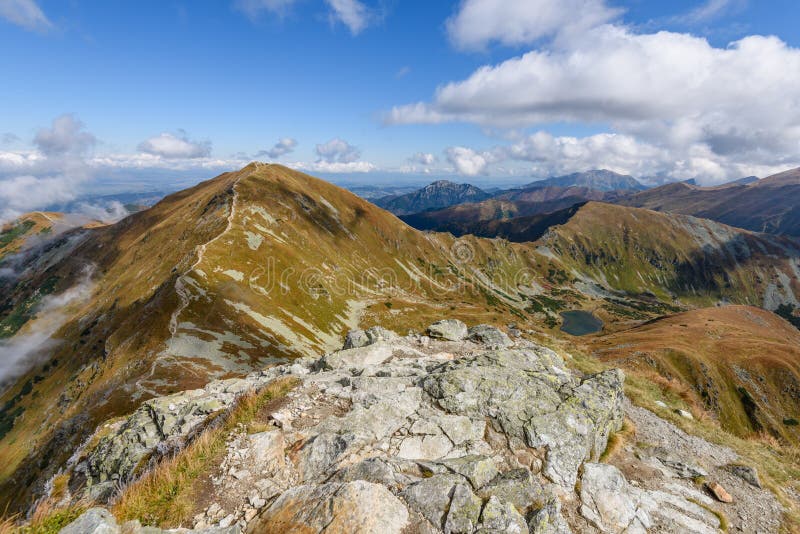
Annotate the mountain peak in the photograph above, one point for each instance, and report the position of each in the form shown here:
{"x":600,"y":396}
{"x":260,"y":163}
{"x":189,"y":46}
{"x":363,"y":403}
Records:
{"x":436,"y":195}
{"x":596,"y":179}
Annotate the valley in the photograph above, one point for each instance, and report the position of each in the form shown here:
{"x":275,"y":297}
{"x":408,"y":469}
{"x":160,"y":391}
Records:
{"x":267,"y":265}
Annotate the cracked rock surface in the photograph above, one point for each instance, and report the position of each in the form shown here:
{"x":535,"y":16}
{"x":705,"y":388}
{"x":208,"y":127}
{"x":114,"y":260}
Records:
{"x":413,"y":434}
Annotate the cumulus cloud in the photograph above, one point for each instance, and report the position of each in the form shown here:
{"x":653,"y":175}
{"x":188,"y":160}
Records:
{"x":167,"y":145}
{"x":734,"y":106}
{"x":511,"y":22}
{"x":25,"y":13}
{"x":52,"y":173}
{"x":337,"y":151}
{"x":8,"y":138}
{"x":281,"y":148}
{"x":467,"y":161}
{"x":351,"y":13}
{"x":335,"y":167}
{"x":423,"y":158}
{"x":66,"y":135}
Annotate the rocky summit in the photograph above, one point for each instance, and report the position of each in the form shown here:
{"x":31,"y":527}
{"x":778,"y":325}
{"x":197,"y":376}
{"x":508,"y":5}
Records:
{"x":458,"y":432}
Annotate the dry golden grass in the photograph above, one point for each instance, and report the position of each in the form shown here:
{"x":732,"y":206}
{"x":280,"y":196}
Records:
{"x":47,"y":518}
{"x":617,"y":440}
{"x":164,"y":496}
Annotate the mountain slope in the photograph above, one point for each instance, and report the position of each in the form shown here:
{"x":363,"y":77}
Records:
{"x":440,"y":194}
{"x":741,"y":363}
{"x":673,"y":256}
{"x":767,"y":205}
{"x":250,"y":268}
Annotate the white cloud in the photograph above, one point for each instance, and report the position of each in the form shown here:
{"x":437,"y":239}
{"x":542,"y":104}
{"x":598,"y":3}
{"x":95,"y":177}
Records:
{"x":108,"y":212}
{"x":423,"y":158}
{"x":337,"y":151}
{"x":707,"y":11}
{"x":334,"y":167}
{"x":35,"y":341}
{"x":351,"y":13}
{"x":467,"y":161}
{"x":52,"y":173}
{"x":65,"y":136}
{"x":281,"y":148}
{"x":736,"y":106}
{"x":512,"y":22}
{"x":24,"y":13}
{"x":170,"y":146}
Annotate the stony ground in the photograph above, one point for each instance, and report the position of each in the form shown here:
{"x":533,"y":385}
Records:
{"x":455,"y":431}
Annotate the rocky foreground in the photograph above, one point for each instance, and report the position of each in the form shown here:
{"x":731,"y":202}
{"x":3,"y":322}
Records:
{"x":455,"y":431}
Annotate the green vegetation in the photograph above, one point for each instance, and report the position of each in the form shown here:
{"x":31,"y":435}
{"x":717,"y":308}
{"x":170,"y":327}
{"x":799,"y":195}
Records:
{"x":25,"y":310}
{"x":16,"y":231}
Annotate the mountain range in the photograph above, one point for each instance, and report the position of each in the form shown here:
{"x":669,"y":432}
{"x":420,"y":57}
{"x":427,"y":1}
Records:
{"x":439,"y":194}
{"x":267,"y":265}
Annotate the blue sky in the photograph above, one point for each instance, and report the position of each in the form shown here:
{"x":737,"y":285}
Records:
{"x":490,"y":91}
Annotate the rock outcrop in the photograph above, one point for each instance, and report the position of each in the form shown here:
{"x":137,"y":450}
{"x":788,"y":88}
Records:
{"x":413,"y":434}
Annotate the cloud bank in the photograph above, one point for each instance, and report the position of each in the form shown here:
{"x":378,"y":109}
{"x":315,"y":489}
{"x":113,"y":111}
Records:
{"x":719,"y":111}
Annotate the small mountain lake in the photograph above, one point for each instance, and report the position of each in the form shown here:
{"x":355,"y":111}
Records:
{"x":580,"y":323}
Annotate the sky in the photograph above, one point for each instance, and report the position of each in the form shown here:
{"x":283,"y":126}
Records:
{"x":102,"y":96}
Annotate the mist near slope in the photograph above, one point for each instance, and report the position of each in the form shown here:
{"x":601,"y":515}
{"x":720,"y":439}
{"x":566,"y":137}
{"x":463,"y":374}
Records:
{"x":34,"y":343}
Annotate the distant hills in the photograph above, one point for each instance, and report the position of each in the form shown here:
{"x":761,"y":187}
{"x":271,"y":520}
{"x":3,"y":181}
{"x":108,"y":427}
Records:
{"x":770,"y":205}
{"x":597,"y":180}
{"x":439,"y":194}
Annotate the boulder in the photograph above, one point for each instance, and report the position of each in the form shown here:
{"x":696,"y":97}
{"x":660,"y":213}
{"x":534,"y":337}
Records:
{"x":372,"y":354}
{"x":361,"y":338}
{"x":609,"y":503}
{"x":448,"y":330}
{"x":490,"y":336}
{"x":93,"y":521}
{"x":745,"y":472}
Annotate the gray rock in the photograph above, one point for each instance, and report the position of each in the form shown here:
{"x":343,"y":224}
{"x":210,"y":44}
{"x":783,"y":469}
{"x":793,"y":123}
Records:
{"x":372,"y":354}
{"x":93,"y":521}
{"x":682,"y":467}
{"x":357,"y":506}
{"x":360,"y":338}
{"x":448,"y":330}
{"x":355,"y":339}
{"x":745,"y":472}
{"x":464,"y":513}
{"x":431,"y":497}
{"x":548,"y":519}
{"x":498,"y":516}
{"x":479,"y":470}
{"x":518,"y":487}
{"x":159,"y":426}
{"x":490,"y":336}
{"x":609,"y":503}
